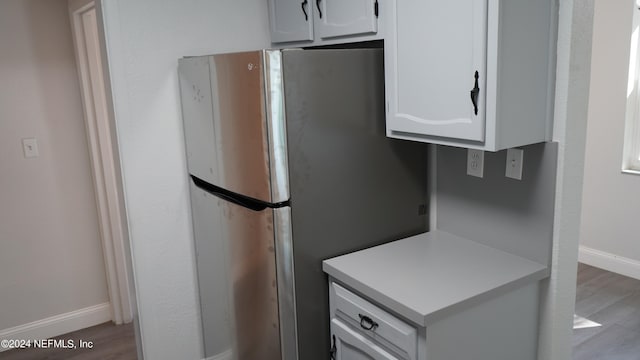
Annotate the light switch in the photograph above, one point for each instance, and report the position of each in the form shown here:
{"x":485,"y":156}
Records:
{"x":514,"y":164}
{"x":30,"y":147}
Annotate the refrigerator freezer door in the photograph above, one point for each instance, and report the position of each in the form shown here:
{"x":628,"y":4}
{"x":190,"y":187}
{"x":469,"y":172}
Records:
{"x":234,"y":123}
{"x":236,"y":270}
{"x":197,"y":111}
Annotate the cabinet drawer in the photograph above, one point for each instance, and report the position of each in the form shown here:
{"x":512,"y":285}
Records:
{"x":373,"y":322}
{"x":350,"y":344}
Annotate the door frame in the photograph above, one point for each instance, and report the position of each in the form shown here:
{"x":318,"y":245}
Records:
{"x":103,"y":152}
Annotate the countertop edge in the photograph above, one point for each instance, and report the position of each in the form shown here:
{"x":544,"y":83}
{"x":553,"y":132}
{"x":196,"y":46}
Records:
{"x":419,"y":317}
{"x":425,"y":319}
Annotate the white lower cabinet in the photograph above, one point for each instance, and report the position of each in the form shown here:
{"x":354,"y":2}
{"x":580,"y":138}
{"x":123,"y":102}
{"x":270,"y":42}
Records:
{"x":352,"y":344}
{"x":362,"y":330}
{"x":503,"y":327}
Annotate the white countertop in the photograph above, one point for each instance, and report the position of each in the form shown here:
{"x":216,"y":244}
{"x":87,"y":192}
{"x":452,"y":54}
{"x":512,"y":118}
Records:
{"x":430,"y":275}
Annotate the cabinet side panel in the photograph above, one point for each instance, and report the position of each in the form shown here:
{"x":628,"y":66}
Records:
{"x":505,"y":328}
{"x":523,"y":64}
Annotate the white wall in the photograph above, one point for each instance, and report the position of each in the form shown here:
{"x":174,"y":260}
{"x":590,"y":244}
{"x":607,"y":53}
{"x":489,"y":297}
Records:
{"x":570,"y":125}
{"x":144,"y":39}
{"x":50,"y":251}
{"x":611,"y":205}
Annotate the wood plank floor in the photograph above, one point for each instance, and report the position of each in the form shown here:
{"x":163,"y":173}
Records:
{"x":110,"y":342}
{"x":603,"y":297}
{"x":613,"y":301}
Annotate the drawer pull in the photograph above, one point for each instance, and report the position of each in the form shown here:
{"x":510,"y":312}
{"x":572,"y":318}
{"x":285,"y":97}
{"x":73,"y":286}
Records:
{"x":332,"y":351}
{"x":367,"y":323}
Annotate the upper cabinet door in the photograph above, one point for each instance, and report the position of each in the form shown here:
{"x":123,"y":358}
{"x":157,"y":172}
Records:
{"x":436,"y":69}
{"x":291,"y":20}
{"x":345,"y":17}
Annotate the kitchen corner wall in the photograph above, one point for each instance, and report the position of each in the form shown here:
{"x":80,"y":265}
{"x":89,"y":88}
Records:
{"x":611,"y":199}
{"x":515,"y":216}
{"x":145,"y":39}
{"x":51,"y":259}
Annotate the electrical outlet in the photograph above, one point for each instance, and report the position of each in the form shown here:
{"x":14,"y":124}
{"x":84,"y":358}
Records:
{"x":30,"y":147}
{"x":475,"y":163}
{"x":514,"y":164}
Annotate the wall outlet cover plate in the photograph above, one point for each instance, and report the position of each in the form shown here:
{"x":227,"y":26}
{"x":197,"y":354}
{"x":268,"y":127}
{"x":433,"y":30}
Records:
{"x":475,"y":163}
{"x":514,"y":164}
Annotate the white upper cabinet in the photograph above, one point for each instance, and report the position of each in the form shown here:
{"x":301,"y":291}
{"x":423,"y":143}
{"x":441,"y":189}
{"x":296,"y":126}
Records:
{"x":470,"y":73}
{"x":320,"y":22}
{"x":335,"y":18}
{"x":439,"y":46}
{"x":291,"y":20}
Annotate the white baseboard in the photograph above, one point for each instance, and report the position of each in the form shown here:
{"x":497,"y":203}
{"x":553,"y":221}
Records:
{"x":59,"y":324}
{"x":607,"y":261}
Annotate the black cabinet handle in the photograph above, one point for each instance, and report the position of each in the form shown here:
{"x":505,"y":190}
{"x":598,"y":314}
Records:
{"x":333,"y":350}
{"x":319,"y":10}
{"x":474,"y":94}
{"x":367,"y":323}
{"x":304,"y":10}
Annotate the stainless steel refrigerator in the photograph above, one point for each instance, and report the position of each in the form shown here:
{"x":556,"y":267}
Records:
{"x":289,"y":165}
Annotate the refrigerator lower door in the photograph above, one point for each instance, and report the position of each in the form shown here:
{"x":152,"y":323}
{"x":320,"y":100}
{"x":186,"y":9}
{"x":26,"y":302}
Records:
{"x":236,"y":271}
{"x":286,"y":283}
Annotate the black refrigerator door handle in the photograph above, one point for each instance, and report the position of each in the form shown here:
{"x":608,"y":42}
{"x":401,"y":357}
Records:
{"x":228,"y":195}
{"x":241,"y":200}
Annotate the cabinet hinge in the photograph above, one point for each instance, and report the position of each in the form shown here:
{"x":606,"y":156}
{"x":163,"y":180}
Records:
{"x":375,"y":8}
